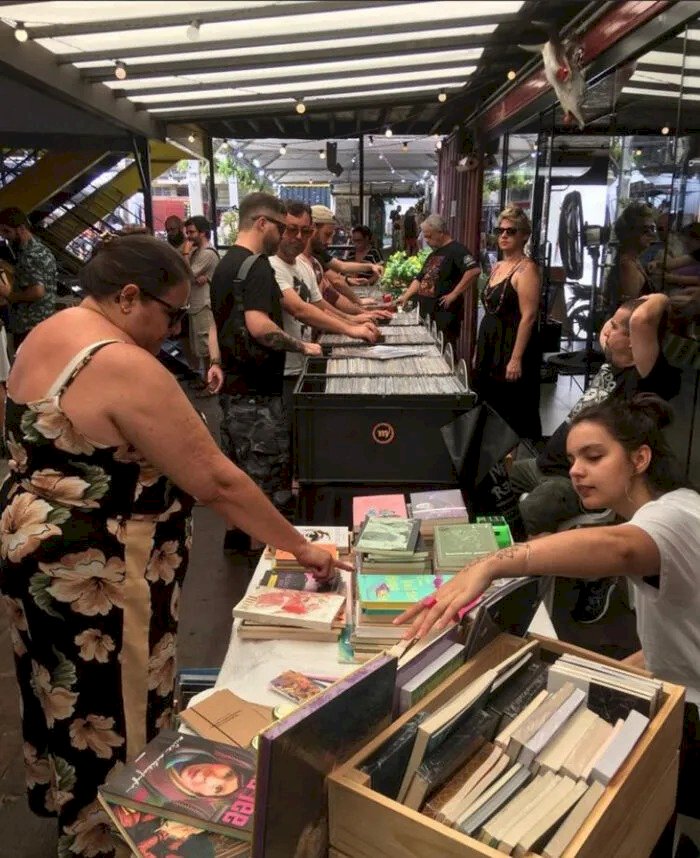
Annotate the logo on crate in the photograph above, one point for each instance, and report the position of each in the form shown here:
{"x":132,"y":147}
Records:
{"x":383,"y":433}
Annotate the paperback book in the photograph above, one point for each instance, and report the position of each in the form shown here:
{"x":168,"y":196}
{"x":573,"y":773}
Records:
{"x":395,"y":592}
{"x":290,"y":607}
{"x":369,"y":506}
{"x":190,"y":780}
{"x":152,"y":836}
{"x":384,"y":535}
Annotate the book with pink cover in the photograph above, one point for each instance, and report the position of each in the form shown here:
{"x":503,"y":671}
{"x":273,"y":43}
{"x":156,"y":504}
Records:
{"x":290,"y":607}
{"x":377,"y":505}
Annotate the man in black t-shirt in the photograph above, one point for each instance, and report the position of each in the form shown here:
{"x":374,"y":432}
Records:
{"x":634,"y":364}
{"x":251,"y":346}
{"x":446,"y":275}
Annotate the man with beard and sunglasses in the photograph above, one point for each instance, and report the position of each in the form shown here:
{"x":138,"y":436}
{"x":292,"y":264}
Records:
{"x":32,"y":296}
{"x":251,"y":343}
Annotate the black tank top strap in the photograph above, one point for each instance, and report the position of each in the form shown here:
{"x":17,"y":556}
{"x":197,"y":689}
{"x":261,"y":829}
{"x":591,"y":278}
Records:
{"x":68,"y":374}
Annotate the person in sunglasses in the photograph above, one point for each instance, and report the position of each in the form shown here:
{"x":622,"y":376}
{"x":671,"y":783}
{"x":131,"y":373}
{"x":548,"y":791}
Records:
{"x":635,"y":230}
{"x":107,"y":457}
{"x":252,"y":345}
{"x":507,"y":363}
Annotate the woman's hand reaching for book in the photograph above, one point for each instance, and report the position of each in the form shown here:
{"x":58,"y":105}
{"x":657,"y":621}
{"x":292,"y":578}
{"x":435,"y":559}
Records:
{"x":319,"y":562}
{"x":444,"y":606}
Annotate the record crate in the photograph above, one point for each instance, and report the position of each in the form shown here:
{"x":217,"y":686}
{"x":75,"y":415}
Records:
{"x":625,"y":823}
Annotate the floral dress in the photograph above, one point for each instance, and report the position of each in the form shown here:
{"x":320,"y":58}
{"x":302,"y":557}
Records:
{"x":94,"y":544}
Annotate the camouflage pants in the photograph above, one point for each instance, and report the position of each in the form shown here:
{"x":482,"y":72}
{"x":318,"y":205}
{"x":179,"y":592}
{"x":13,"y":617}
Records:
{"x":256,"y":436}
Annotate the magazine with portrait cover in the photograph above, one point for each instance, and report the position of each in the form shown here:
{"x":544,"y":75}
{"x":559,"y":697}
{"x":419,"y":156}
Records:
{"x":151,"y":836}
{"x":192,"y":780}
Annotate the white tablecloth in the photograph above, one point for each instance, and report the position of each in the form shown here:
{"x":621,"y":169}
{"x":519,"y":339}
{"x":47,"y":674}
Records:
{"x":250,"y":665}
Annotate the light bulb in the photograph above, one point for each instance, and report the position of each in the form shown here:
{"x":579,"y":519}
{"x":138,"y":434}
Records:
{"x":21,"y":33}
{"x":239,"y":154}
{"x":637,"y":152}
{"x":321,"y":154}
{"x":511,"y":75}
{"x":120,"y":71}
{"x":665,"y":130}
{"x":392,"y":171}
{"x":283,"y":149}
{"x":404,"y":147}
{"x":388,"y":132}
{"x":261,"y":172}
{"x":191,"y":138}
{"x":438,"y":145}
{"x":442,"y":96}
{"x":256,"y":162}
{"x":193,"y":31}
{"x":371,"y":140}
{"x":301,"y":107}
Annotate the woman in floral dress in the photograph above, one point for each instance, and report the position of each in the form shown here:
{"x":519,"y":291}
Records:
{"x":106,"y":457}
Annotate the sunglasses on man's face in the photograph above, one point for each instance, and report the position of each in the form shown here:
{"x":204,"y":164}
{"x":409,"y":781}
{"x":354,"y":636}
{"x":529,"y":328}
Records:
{"x":281,"y":226}
{"x":505,"y":230}
{"x":303,"y":231}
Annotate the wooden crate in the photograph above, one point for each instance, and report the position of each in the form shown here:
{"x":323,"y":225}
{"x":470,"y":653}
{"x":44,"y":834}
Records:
{"x":628,"y":819}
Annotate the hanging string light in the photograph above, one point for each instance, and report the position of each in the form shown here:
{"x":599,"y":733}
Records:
{"x":388,"y":132}
{"x":191,"y":138}
{"x":442,"y":96}
{"x":322,"y":154}
{"x":404,"y":146}
{"x":21,"y":33}
{"x":511,"y":75}
{"x":120,"y":71}
{"x":283,"y":149}
{"x":371,"y":140}
{"x":193,"y":31}
{"x":300,"y":106}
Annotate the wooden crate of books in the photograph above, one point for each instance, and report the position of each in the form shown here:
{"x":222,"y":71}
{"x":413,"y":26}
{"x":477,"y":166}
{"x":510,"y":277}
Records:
{"x":626,"y":820}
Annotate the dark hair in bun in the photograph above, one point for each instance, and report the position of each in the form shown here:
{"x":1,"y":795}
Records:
{"x":140,"y":259}
{"x":637,"y":423}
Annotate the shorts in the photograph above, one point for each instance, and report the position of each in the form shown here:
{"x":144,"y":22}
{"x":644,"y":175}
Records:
{"x":256,"y":436}
{"x":4,"y":359}
{"x":200,"y":323}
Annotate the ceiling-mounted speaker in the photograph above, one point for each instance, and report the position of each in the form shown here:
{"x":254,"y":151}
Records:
{"x":332,"y":156}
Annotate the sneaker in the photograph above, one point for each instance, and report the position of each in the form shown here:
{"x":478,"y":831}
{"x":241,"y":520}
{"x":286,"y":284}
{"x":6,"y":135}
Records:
{"x":593,"y":600}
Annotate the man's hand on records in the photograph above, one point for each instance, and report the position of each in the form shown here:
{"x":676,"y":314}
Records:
{"x":312,"y":349}
{"x":319,"y":562}
{"x":367,"y":332}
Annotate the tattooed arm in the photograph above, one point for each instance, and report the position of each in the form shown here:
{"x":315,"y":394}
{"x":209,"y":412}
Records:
{"x":592,"y":552}
{"x":268,"y":334}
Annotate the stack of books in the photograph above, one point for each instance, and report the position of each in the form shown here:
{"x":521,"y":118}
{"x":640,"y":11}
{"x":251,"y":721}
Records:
{"x":184,"y":788}
{"x":272,"y":612}
{"x":376,"y":506}
{"x":439,"y":507}
{"x":456,"y":545}
{"x":380,"y":599}
{"x":519,"y":757}
{"x":391,"y":546}
{"x":333,"y":538}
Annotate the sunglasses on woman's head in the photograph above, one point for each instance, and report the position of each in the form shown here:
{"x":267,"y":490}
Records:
{"x":505,"y":230}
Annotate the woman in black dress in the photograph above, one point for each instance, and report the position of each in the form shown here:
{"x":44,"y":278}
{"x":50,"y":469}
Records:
{"x":507,"y":364}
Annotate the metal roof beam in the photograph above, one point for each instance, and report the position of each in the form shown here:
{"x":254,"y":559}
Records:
{"x":312,"y":110}
{"x":305,"y":81}
{"x":277,"y":10}
{"x":411,"y":49}
{"x":428,"y":30}
{"x":354,"y":89}
{"x":35,"y":65}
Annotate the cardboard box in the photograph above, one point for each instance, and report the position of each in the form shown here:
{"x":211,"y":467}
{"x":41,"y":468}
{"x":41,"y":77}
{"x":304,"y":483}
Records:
{"x":627,"y":820}
{"x":223,"y":717}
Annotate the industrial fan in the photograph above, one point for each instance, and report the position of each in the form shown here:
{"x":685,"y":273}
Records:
{"x":571,"y":235}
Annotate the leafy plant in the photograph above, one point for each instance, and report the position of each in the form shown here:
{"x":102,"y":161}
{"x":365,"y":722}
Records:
{"x":401,"y":269}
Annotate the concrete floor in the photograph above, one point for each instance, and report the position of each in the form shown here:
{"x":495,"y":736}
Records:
{"x":214,"y":584}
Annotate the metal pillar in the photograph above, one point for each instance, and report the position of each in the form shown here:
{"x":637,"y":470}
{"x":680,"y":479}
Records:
{"x":142,"y":157}
{"x":361,"y":193}
{"x":209,"y":153}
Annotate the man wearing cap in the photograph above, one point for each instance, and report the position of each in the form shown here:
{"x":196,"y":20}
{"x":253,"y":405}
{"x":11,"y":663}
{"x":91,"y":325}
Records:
{"x":325,"y":222}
